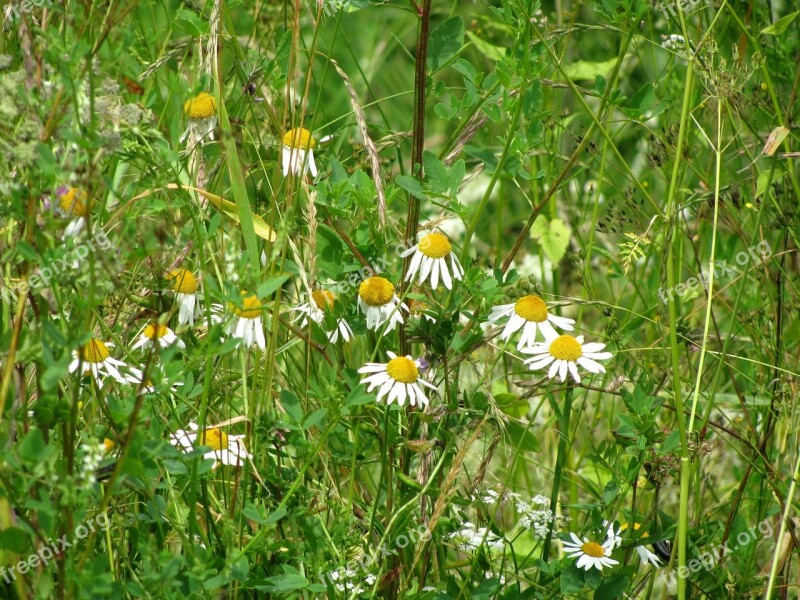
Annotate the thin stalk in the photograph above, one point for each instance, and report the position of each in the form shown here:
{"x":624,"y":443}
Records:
{"x":418,"y":143}
{"x":561,"y":459}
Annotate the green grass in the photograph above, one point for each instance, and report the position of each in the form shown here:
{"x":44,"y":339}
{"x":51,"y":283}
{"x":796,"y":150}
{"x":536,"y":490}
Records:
{"x":636,"y":172}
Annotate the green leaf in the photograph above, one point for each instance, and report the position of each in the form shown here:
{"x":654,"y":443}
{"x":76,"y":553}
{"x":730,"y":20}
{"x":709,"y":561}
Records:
{"x":32,"y":448}
{"x":553,"y":237}
{"x":781,"y":25}
{"x":276,"y":516}
{"x":445,"y":42}
{"x":522,"y":437}
{"x":511,"y":405}
{"x":612,"y":588}
{"x":188,"y":22}
{"x":590,"y":70}
{"x":286,"y":583}
{"x":490,"y":51}
{"x":270,"y":286}
{"x":571,"y":579}
{"x":13,"y":539}
{"x":436,"y":173}
{"x":411,"y":185}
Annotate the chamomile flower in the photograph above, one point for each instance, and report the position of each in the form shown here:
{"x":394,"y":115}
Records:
{"x":225,"y":448}
{"x":379,"y":302}
{"x":397,"y":380}
{"x":321,"y":303}
{"x":297,"y":154}
{"x":156,"y":333}
{"x":247,"y":325}
{"x":429,"y":260}
{"x":590,"y":554}
{"x":645,"y":555}
{"x":73,"y":203}
{"x":530,"y":314}
{"x":94,"y":357}
{"x":184,"y":284}
{"x":564,"y":353}
{"x":202,"y":114}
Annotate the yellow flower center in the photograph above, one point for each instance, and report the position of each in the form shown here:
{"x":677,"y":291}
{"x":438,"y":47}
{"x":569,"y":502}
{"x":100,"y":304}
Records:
{"x":250,"y":309}
{"x":434,"y":245}
{"x":74,"y":202}
{"x":593,"y":549}
{"x":323,"y":299}
{"x":402,"y":369}
{"x":94,"y":352}
{"x":531,"y":308}
{"x":299,"y":138}
{"x":185,"y":282}
{"x":108,"y":445}
{"x":566,"y":347}
{"x":201,"y":106}
{"x":376,"y":291}
{"x":215,"y":439}
{"x":154,"y":331}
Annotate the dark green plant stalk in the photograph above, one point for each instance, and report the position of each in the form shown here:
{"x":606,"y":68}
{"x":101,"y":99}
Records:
{"x":418,"y":139}
{"x":561,"y":459}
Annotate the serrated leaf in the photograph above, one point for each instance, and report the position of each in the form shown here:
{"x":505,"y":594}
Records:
{"x":435,"y":172}
{"x":553,"y":237}
{"x":445,"y":42}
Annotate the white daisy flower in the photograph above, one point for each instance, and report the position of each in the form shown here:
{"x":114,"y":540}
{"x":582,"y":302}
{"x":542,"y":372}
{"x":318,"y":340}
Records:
{"x":95,"y":358}
{"x":202,"y":114}
{"x":565,"y":353}
{"x":590,"y":554}
{"x":397,"y":380}
{"x":645,"y":555}
{"x":529,"y":313}
{"x":429,"y":260}
{"x":297,"y":154}
{"x":228,"y":449}
{"x":321,"y":302}
{"x":184,"y":284}
{"x":248,"y":326}
{"x":159,"y":334}
{"x":377,"y":300}
{"x":613,"y":533}
{"x":73,"y":204}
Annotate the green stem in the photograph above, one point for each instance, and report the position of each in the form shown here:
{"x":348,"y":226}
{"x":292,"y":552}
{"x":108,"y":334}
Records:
{"x":561,"y":460}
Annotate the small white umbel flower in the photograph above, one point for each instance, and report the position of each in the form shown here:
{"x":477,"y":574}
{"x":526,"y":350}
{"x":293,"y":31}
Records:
{"x":564,"y":353}
{"x":397,"y":380}
{"x":228,"y":449}
{"x":429,"y":261}
{"x":529,"y":314}
{"x":379,"y":302}
{"x":297,"y":154}
{"x":184,"y":284}
{"x":590,"y":555}
{"x":94,"y":358}
{"x":321,"y":303}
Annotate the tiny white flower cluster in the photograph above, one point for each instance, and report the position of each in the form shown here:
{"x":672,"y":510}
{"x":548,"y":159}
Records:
{"x":344,"y":580}
{"x":469,"y":538}
{"x":92,"y":456}
{"x":536,"y":515}
{"x":673,"y":42}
